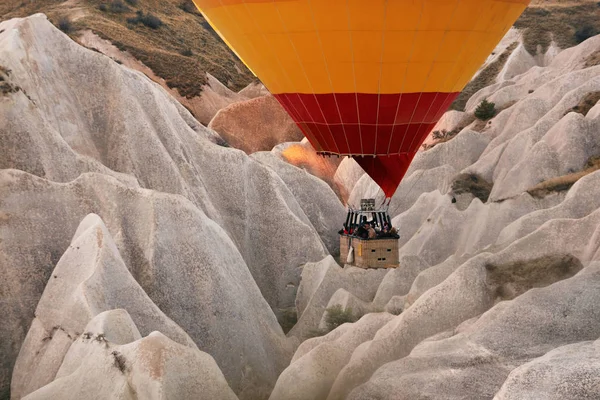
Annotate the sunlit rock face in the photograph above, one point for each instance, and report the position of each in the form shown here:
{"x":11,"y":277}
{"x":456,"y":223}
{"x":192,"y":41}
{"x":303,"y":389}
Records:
{"x":258,"y":124}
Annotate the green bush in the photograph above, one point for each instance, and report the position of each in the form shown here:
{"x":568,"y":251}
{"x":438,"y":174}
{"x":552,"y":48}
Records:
{"x":584,"y":33}
{"x":150,"y":20}
{"x":474,"y":184}
{"x":337,"y":316}
{"x":117,"y":6}
{"x":485,"y":110}
{"x":65,"y":25}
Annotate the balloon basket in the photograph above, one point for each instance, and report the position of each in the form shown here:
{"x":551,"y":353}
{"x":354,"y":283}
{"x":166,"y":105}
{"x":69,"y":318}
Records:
{"x":369,"y":253}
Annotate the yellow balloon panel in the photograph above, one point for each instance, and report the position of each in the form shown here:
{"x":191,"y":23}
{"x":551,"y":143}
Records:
{"x":375,"y":46}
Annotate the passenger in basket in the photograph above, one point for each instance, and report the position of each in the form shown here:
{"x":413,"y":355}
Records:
{"x":372,"y":233}
{"x":363,"y":231}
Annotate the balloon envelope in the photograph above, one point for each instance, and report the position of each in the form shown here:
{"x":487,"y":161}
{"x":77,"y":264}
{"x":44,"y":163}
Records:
{"x":364,"y":78}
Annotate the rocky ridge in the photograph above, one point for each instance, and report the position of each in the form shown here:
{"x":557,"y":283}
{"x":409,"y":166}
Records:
{"x":226,"y":225}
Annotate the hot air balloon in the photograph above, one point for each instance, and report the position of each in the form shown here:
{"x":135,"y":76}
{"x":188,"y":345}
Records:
{"x":367,"y":79}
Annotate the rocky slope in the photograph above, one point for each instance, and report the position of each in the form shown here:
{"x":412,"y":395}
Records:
{"x":180,"y":47}
{"x":215,"y":238}
{"x":90,"y":309}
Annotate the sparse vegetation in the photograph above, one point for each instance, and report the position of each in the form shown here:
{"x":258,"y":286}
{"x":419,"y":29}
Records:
{"x":288,"y":319}
{"x":65,"y":24}
{"x":586,"y":104}
{"x":187,"y":53}
{"x":5,"y":86}
{"x":565,"y":25}
{"x":117,"y":6}
{"x":159,"y":49}
{"x":585,"y":32}
{"x":132,"y":3}
{"x":334,"y":317}
{"x":444,"y":134}
{"x":485,"y":110}
{"x":485,"y":78}
{"x":512,"y":279}
{"x":149,"y":20}
{"x":337,"y":316}
{"x":474,"y":184}
{"x":441,"y":137}
{"x":565,"y":182}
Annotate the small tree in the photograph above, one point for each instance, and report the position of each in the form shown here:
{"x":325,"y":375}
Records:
{"x":65,"y":25}
{"x":187,"y":52}
{"x":117,"y":6}
{"x":150,"y":20}
{"x":485,"y":110}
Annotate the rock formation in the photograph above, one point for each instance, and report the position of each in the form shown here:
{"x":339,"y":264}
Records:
{"x":318,"y":201}
{"x":110,"y":360}
{"x":507,"y":336}
{"x":90,"y":278}
{"x":568,"y":371}
{"x":185,"y":212}
{"x":257,"y":124}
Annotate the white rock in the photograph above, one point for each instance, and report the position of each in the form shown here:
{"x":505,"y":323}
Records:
{"x":319,"y":283}
{"x":90,"y":278}
{"x":311,"y":375}
{"x":398,"y":281}
{"x":472,"y":289}
{"x":186,"y":264}
{"x":510,"y":334}
{"x":569,"y":371}
{"x":348,"y":174}
{"x":318,"y":201}
{"x":154,"y":367}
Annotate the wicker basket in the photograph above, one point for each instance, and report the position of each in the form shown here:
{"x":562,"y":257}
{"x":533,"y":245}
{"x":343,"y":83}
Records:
{"x":370,"y":253}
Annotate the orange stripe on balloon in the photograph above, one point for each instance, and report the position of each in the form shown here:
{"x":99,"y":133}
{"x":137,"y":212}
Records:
{"x":206,"y":4}
{"x":306,"y":46}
